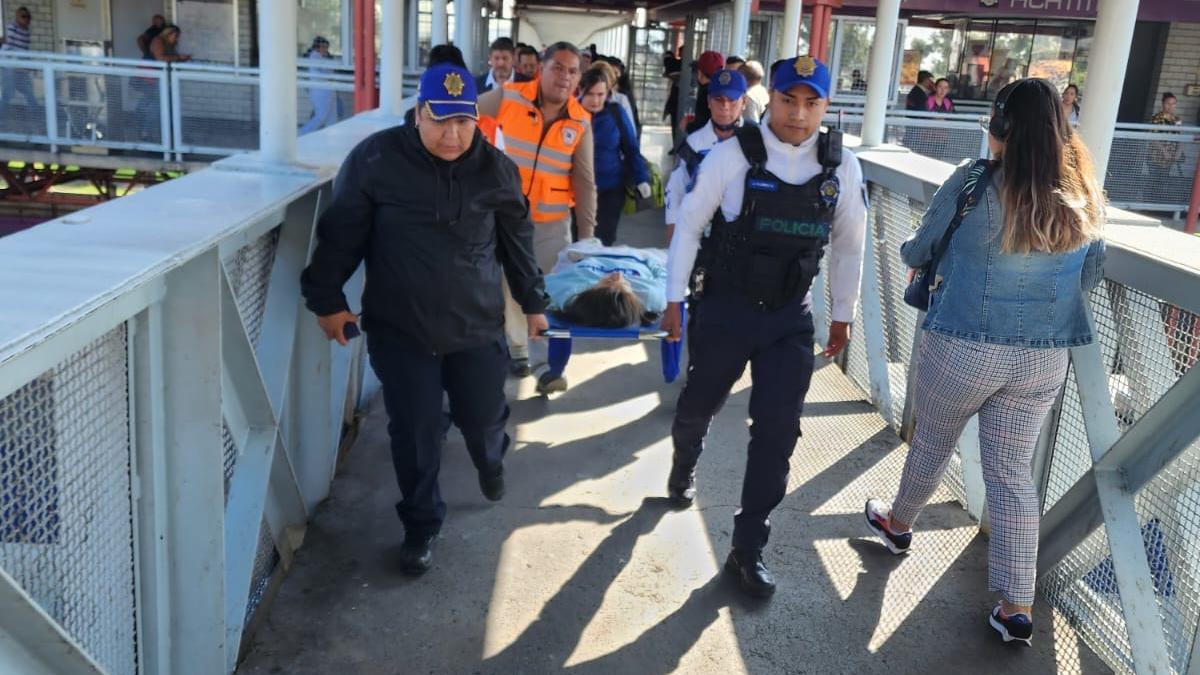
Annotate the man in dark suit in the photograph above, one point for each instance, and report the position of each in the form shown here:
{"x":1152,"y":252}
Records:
{"x":502,"y":58}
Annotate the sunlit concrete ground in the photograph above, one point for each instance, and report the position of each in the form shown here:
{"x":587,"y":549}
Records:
{"x":584,"y":568}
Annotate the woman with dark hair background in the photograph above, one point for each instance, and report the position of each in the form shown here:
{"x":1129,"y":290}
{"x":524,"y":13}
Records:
{"x":1008,"y":299}
{"x":605,"y":287}
{"x":1070,"y":102}
{"x":618,"y":155}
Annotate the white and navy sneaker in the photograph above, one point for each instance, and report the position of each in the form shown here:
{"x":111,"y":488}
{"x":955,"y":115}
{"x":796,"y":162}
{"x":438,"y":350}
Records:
{"x":1016,"y":627}
{"x":878,"y":514}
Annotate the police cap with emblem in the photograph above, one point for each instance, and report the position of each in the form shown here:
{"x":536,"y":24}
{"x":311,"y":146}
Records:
{"x":728,"y":83}
{"x":446,"y":91}
{"x":801,"y":70}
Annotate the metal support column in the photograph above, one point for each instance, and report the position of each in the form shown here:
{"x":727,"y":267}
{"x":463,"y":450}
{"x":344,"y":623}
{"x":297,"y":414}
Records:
{"x":739,"y":37}
{"x":466,"y":19}
{"x":879,"y":71}
{"x":391,"y":58}
{"x":439,"y":28}
{"x":1115,"y":21}
{"x":792,"y":16}
{"x":277,"y":81}
{"x":364,"y":56}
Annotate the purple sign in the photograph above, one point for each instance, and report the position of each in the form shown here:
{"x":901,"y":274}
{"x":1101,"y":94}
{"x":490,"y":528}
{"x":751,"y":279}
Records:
{"x":1148,"y":10}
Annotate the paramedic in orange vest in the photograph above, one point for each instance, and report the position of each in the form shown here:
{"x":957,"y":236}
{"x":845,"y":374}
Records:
{"x":549,"y":137}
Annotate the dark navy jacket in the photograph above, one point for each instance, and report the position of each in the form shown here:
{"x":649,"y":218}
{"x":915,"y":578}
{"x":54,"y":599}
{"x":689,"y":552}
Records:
{"x":618,"y":159}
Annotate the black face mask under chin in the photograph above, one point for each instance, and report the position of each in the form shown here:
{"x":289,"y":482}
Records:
{"x":724,"y":127}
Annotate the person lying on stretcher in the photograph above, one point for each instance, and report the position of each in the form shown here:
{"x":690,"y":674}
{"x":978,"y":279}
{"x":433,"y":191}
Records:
{"x":608,"y":286}
{"x":599,"y":286}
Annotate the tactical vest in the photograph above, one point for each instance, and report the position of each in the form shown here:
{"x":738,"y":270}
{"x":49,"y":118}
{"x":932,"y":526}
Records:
{"x":773,"y":249}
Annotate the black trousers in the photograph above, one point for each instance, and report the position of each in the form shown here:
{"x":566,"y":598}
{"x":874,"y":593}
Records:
{"x":413,"y":382}
{"x":608,"y":214}
{"x":725,"y":333}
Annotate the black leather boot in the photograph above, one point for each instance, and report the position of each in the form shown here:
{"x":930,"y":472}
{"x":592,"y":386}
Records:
{"x":681,"y":484}
{"x":753,"y":576}
{"x":416,"y":554}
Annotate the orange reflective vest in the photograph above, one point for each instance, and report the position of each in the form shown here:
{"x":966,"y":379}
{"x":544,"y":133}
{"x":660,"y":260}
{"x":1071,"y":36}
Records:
{"x":487,"y":126}
{"x":543,"y":155}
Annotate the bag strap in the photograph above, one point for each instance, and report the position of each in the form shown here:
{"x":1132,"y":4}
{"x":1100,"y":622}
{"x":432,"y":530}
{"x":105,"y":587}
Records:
{"x":750,"y":139}
{"x":978,"y":178}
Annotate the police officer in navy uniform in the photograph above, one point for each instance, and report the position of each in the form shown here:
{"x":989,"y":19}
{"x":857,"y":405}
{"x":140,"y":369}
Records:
{"x":437,"y":213}
{"x":726,"y":103}
{"x":775,"y":199}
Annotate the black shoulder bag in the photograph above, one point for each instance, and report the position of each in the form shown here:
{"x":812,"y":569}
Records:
{"x":926,"y":279}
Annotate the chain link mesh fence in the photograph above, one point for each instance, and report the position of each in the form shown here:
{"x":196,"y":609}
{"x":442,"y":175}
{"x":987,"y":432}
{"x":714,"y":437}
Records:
{"x":66,"y":507}
{"x":217,"y":115}
{"x":22,"y":101}
{"x":1153,"y":169}
{"x":249,"y":272}
{"x":111,"y":109}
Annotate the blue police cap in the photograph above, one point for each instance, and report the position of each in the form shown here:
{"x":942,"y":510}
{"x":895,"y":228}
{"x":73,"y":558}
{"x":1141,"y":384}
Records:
{"x":727,"y":83}
{"x":801,"y":70}
{"x":448,"y":91}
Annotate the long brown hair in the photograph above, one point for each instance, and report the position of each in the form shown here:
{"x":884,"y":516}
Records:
{"x":1052,"y":200}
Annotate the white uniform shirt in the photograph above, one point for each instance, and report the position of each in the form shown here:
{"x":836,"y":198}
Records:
{"x":702,"y":141}
{"x":490,"y":82}
{"x":721,"y":183}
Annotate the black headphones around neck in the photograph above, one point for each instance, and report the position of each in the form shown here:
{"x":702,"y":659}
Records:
{"x":999,"y":126}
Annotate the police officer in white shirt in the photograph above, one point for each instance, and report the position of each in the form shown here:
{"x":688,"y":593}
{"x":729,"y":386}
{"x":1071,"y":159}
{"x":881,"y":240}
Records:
{"x":775,"y":199}
{"x":726,"y":103}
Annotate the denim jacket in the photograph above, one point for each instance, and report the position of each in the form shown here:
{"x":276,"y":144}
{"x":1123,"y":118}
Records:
{"x":1031,"y":300}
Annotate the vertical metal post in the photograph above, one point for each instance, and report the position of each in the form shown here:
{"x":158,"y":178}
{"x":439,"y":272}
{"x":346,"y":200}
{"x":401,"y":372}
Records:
{"x":871,"y":328}
{"x":51,"y":105}
{"x":164,"y":111}
{"x":1115,"y":21}
{"x":879,"y":71}
{"x":741,"y":27}
{"x":685,"y":102}
{"x":466,"y":17}
{"x":439,"y":27}
{"x":193,"y":510}
{"x":1139,"y":604}
{"x":792,"y":16}
{"x":364,"y":55}
{"x":391,"y":58}
{"x":277,"y":81}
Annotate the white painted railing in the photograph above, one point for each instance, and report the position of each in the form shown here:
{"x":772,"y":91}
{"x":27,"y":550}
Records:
{"x":67,"y":101}
{"x":170,"y":415}
{"x":1118,"y":465}
{"x":1151,"y":167}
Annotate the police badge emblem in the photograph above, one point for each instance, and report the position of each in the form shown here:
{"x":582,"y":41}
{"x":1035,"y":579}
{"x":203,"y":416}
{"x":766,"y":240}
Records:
{"x":568,"y":136}
{"x":805,"y":66}
{"x":830,"y":189}
{"x":724,"y":77}
{"x":453,"y":84}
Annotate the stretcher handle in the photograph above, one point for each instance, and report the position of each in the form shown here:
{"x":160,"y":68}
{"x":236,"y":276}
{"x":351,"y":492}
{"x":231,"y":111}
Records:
{"x":642,"y":334}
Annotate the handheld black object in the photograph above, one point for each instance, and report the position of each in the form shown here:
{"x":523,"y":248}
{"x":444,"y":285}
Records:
{"x":350,"y":330}
{"x":830,"y":147}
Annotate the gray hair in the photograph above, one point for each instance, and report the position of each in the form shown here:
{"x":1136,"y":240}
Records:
{"x":752,"y":71}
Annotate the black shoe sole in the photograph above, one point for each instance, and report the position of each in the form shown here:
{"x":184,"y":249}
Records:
{"x":414,"y":571}
{"x":680,"y":501}
{"x":746,"y":587}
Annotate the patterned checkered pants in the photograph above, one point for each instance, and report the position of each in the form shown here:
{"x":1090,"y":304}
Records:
{"x":1012,"y":390}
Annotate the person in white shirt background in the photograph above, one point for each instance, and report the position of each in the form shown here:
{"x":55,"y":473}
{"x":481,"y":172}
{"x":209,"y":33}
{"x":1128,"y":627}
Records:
{"x":775,"y":197}
{"x":324,"y":101}
{"x":726,"y":103}
{"x":757,"y":95}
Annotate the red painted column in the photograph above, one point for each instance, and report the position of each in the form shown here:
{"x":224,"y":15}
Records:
{"x":818,"y":37}
{"x":366,"y":96}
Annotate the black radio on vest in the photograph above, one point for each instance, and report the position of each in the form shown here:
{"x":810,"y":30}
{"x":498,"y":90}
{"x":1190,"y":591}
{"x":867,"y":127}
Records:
{"x":772,"y":251}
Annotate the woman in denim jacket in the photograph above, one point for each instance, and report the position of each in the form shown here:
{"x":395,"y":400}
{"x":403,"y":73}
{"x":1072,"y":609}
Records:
{"x":1009,"y":299}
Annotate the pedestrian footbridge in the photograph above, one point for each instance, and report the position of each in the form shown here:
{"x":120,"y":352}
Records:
{"x":193,"y":478}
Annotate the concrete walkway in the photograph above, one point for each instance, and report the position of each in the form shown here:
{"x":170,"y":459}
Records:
{"x":584,"y":568}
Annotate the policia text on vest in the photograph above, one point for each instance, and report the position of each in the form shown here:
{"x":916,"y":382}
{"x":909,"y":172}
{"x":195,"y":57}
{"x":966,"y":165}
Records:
{"x":772,"y":199}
